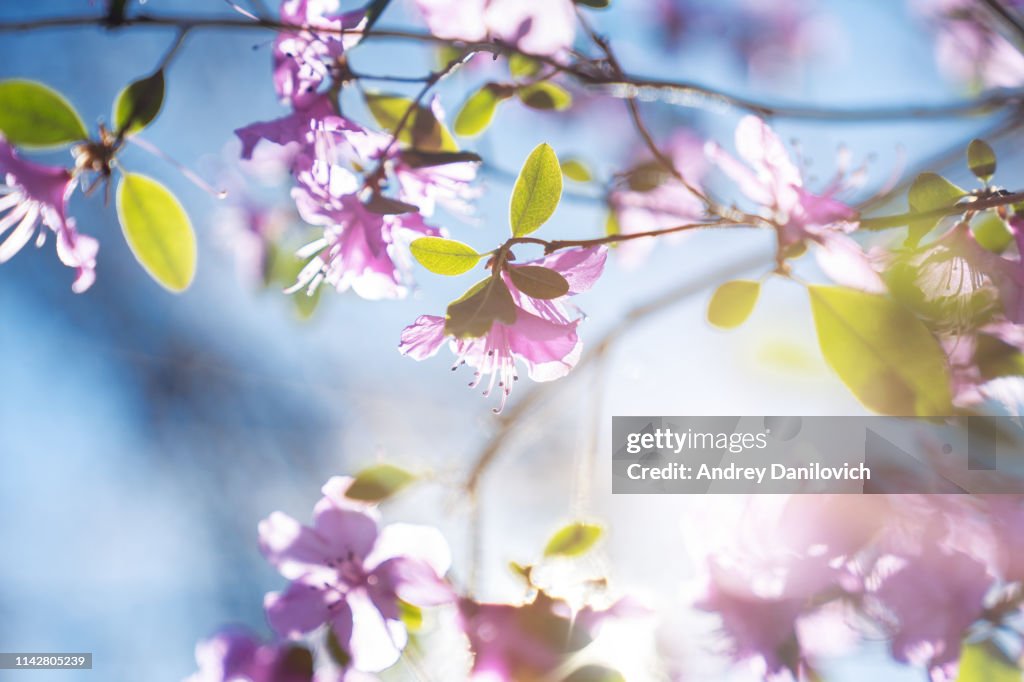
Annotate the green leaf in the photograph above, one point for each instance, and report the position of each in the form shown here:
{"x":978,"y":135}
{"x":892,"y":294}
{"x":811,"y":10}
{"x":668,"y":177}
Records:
{"x":545,"y":96}
{"x":538,"y":282}
{"x":478,"y":111}
{"x":612,"y":227}
{"x":421,"y":130}
{"x":732,"y":303}
{"x":573,"y":540}
{"x":444,"y":256}
{"x":379,"y":482}
{"x":157,"y":230}
{"x":420,"y":159}
{"x":984,"y":662}
{"x":991,"y":232}
{"x":882,"y":352}
{"x":594,"y":4}
{"x":472,"y":315}
{"x":981,"y":159}
{"x":335,"y":650}
{"x":930,"y":192}
{"x":34,"y":115}
{"x":595,"y":673}
{"x":574,"y":169}
{"x":138,"y":104}
{"x":647,"y":177}
{"x":537,"y":191}
{"x":410,"y":615}
{"x":382,"y":205}
{"x":521,"y":66}
{"x":297,"y":663}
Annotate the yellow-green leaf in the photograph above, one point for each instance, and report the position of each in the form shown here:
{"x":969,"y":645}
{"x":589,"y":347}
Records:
{"x":992,"y":232}
{"x":576,"y":170}
{"x":444,"y":256}
{"x":537,"y":191}
{"x":538,"y":282}
{"x":421,"y":129}
{"x":521,"y":66}
{"x":34,"y":115}
{"x":573,"y":540}
{"x":379,"y":482}
{"x":475,"y":312}
{"x":157,"y":230}
{"x":882,"y":352}
{"x":930,"y":192}
{"x":732,"y":303}
{"x":981,"y":159}
{"x":545,"y":96}
{"x":138,"y":104}
{"x":984,"y":662}
{"x":595,"y":673}
{"x":478,"y":111}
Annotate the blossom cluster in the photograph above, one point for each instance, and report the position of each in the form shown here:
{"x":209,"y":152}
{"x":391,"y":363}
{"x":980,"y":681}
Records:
{"x":358,"y":582}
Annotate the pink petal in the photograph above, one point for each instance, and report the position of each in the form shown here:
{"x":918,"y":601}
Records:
{"x":422,"y":338}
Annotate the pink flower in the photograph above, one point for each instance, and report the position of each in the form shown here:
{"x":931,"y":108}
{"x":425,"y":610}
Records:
{"x":930,"y":586}
{"x":654,"y":199}
{"x":349,"y":574}
{"x":773,"y":182}
{"x":774,"y":562}
{"x":318,"y":122}
{"x":541,"y":27}
{"x":32,"y":194}
{"x":543,"y":335}
{"x":236,"y":655}
{"x":969,"y":46}
{"x":361,"y":250}
{"x":305,"y":59}
{"x":527,"y":642}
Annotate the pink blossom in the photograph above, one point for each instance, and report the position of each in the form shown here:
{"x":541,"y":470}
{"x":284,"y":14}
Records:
{"x":541,"y":27}
{"x":361,"y":249}
{"x":348,"y":573}
{"x":772,"y":563}
{"x":654,"y":199}
{"x":928,"y":585}
{"x":771,"y":180}
{"x":236,"y":655}
{"x":543,"y":335}
{"x":318,"y":122}
{"x":527,"y":642}
{"x":969,"y":46}
{"x":32,"y":194}
{"x":304,"y":59}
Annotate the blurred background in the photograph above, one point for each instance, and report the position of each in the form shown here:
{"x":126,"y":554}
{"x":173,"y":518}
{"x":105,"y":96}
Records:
{"x":144,"y":435}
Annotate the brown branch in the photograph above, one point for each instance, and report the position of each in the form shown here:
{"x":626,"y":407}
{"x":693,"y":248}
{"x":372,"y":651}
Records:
{"x":626,"y":85}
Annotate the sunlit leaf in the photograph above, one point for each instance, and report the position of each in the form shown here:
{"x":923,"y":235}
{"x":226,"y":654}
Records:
{"x":732,"y":303}
{"x":475,"y":312}
{"x":545,"y":96}
{"x":984,"y":662}
{"x":882,"y":352}
{"x":521,"y":66}
{"x":157,"y":230}
{"x":930,"y":192}
{"x":981,"y":159}
{"x":421,"y":159}
{"x":992,"y":232}
{"x":574,"y":169}
{"x":379,"y":482}
{"x":595,"y":673}
{"x":421,"y":129}
{"x":410,"y":615}
{"x":34,"y":115}
{"x":537,"y":191}
{"x":478,"y":111}
{"x":573,"y":540}
{"x":444,"y":256}
{"x":538,"y":282}
{"x":138,"y":104}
